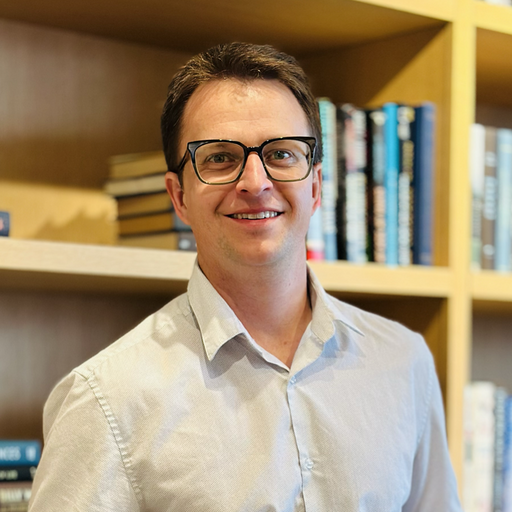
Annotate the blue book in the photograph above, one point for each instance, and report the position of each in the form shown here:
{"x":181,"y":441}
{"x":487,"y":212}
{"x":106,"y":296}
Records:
{"x":424,"y":147}
{"x":503,"y":226}
{"x":315,"y":246}
{"x":327,"y":112}
{"x":391,"y":181}
{"x":18,"y":453}
{"x":5,"y":223}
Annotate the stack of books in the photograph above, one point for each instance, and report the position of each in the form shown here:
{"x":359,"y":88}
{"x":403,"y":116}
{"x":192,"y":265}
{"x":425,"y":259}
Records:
{"x":491,"y":184}
{"x":487,"y":475}
{"x":145,"y":212}
{"x":18,"y":463}
{"x":378,"y":184}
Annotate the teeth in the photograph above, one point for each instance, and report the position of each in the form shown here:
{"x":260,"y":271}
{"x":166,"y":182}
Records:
{"x":252,"y":216}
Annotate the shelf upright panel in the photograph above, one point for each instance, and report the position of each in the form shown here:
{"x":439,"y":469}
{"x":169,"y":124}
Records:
{"x":459,"y":305}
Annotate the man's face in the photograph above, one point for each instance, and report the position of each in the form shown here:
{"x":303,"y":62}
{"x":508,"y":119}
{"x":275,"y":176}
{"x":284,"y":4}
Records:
{"x":250,"y":113}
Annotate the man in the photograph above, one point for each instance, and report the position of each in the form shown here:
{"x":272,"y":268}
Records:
{"x":255,"y":391}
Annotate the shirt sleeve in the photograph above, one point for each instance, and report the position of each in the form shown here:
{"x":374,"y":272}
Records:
{"x":434,"y":485}
{"x":81,"y":468}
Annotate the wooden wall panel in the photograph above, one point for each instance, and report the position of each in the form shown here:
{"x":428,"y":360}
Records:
{"x":69,"y":101}
{"x":43,"y":336}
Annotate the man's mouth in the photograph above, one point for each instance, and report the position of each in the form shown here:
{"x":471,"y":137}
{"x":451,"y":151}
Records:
{"x":255,"y":216}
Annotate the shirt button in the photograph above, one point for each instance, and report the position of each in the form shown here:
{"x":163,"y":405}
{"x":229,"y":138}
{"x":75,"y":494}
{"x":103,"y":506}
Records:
{"x":293,"y":380}
{"x":308,"y":464}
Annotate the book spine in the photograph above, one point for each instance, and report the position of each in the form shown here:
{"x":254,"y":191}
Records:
{"x":16,"y":453}
{"x":23,"y":473}
{"x":423,"y":184}
{"x":341,"y":168}
{"x":355,"y":199}
{"x":315,"y":237}
{"x":507,"y":457}
{"x":405,"y":183}
{"x":5,"y":223}
{"x":499,"y":445}
{"x":483,"y":446}
{"x":504,"y":211}
{"x":329,"y":177}
{"x":489,"y":200}
{"x":391,"y":182}
{"x":477,"y":171}
{"x":376,"y":120}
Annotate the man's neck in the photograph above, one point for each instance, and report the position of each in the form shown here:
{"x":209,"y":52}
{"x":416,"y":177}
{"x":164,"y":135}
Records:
{"x":271,"y":302}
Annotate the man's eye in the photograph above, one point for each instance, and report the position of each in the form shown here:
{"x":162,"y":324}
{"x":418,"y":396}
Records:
{"x":280,"y":154}
{"x":218,"y":158}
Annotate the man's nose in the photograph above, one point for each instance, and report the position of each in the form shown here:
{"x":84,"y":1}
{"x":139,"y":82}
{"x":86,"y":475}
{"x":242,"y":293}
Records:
{"x":254,"y":179}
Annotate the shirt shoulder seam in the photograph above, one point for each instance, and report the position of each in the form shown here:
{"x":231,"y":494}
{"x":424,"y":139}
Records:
{"x":116,"y":433}
{"x":428,"y":404}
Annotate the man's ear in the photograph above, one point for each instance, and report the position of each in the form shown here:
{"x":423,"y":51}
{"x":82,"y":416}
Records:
{"x":317,"y":186}
{"x":175,"y":190}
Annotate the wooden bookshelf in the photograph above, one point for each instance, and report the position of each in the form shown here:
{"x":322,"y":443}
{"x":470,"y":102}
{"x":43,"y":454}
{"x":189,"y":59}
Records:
{"x":87,"y":80}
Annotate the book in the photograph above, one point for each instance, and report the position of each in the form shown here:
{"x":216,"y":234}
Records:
{"x":315,"y":237}
{"x":490,"y":196}
{"x":355,"y":182}
{"x":141,"y":204}
{"x":136,"y":186}
{"x":327,"y":112}
{"x":376,"y":164}
{"x":500,"y":397}
{"x":137,"y":164}
{"x":5,"y":223}
{"x":152,"y":223}
{"x":341,"y":172}
{"x":16,"y":453}
{"x":479,"y":427}
{"x":405,"y":118}
{"x":423,"y":184}
{"x":503,"y":227}
{"x":15,"y":496}
{"x":23,"y":473}
{"x":171,"y":240}
{"x":477,"y":171}
{"x":391,"y":181}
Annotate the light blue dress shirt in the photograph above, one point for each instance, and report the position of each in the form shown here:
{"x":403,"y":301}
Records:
{"x":186,"y":413}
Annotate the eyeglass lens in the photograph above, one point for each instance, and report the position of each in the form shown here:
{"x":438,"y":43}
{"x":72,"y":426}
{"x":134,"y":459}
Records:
{"x":221,"y":161}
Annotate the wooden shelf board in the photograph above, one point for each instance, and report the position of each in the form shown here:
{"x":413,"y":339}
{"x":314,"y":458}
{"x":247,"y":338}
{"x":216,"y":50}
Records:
{"x":497,"y":18}
{"x":60,"y":266}
{"x":491,"y":287}
{"x":298,"y":26}
{"x":373,"y":279}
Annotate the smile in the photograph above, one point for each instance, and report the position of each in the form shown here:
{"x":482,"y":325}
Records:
{"x":254,"y":216}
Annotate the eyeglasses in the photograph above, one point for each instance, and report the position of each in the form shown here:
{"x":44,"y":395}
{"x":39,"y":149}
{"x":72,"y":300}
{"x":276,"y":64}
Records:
{"x":219,"y":162}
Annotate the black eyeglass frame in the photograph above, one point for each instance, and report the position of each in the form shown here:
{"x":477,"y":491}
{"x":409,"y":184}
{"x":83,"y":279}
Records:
{"x":194,"y":145}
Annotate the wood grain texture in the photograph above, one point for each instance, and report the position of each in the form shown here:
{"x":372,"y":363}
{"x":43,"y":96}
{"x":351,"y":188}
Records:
{"x":71,"y":101}
{"x":43,"y":336}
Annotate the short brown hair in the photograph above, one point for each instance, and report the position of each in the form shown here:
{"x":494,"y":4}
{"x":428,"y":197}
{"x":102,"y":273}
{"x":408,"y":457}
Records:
{"x":242,"y":61}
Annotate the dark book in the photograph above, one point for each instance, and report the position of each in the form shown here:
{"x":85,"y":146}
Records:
{"x":423,"y":184}
{"x":490,"y":200}
{"x":172,"y":241}
{"x":17,"y":453}
{"x":5,"y":223}
{"x":143,"y":204}
{"x":341,"y":170}
{"x":23,"y":473}
{"x":154,"y":223}
{"x":137,"y":164}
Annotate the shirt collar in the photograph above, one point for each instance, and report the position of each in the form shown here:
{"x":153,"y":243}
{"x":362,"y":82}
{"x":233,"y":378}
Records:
{"x":325,"y":312}
{"x":218,"y":324}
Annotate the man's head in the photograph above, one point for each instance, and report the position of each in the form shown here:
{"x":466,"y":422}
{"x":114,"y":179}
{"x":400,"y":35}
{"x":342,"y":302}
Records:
{"x":241,"y":61}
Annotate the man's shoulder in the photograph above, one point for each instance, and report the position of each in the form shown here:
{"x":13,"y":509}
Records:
{"x":378,"y":331}
{"x":145,"y":342}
